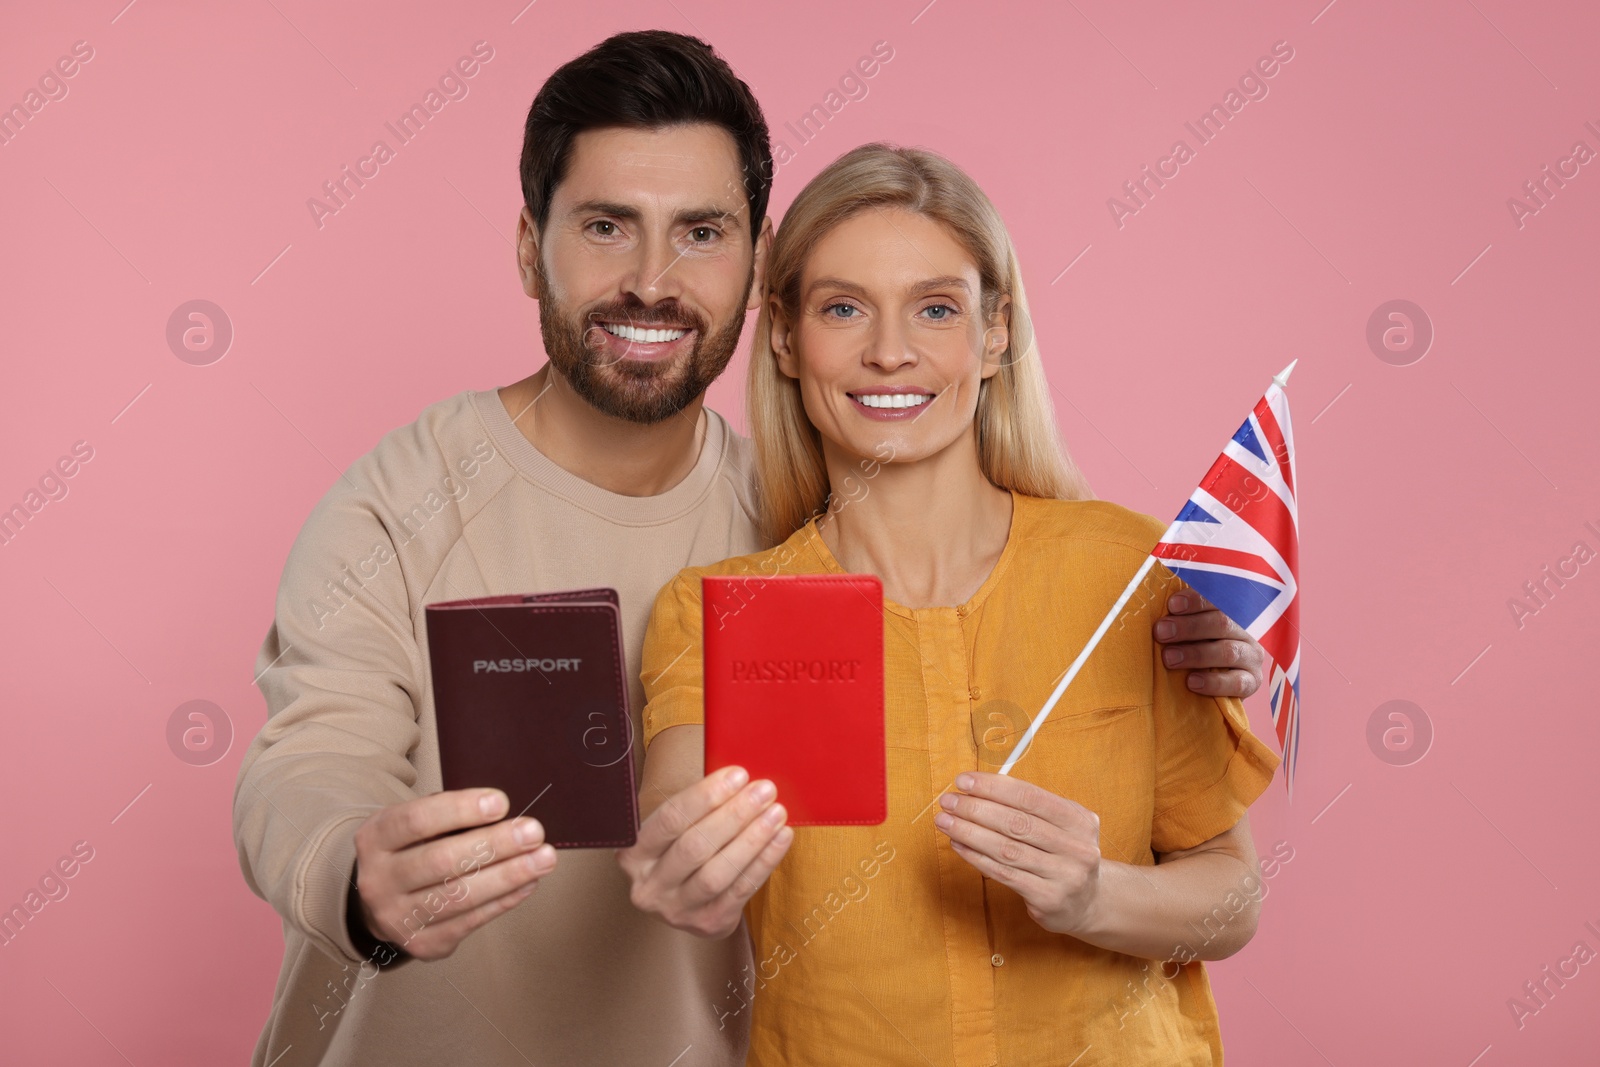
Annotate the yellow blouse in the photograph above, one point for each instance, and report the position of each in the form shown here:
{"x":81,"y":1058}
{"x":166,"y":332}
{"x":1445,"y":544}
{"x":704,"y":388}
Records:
{"x":880,"y":945}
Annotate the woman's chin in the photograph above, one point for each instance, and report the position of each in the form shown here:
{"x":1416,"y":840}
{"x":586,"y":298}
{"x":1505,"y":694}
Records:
{"x":867,"y":448}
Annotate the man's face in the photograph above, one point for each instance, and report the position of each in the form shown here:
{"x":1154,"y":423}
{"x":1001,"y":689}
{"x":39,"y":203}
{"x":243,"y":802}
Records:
{"x":646,"y":267}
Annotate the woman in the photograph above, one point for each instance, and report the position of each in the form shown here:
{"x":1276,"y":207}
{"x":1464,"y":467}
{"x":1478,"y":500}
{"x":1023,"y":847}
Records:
{"x":903,"y":429}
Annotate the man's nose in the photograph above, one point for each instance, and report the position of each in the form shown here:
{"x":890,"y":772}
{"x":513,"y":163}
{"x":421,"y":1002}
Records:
{"x":653,"y":273}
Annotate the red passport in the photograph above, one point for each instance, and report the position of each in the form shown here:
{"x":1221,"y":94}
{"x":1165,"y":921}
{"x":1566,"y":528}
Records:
{"x":530,"y":697}
{"x":794,"y":690}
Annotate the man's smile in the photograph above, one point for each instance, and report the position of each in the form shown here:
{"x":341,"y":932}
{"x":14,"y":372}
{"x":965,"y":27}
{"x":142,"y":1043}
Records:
{"x":643,"y":335}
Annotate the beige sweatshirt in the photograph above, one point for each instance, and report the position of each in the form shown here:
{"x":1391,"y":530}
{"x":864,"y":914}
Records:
{"x":459,"y":504}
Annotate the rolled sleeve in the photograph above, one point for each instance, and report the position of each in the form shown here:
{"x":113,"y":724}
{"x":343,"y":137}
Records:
{"x":1209,"y":767}
{"x":671,"y":662}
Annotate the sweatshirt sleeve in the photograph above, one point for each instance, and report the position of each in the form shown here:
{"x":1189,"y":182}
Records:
{"x":342,"y":677}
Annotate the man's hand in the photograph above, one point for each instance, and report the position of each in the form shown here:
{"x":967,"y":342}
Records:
{"x":1043,"y":846}
{"x":706,"y":850}
{"x":1222,"y":660}
{"x":425,"y":886}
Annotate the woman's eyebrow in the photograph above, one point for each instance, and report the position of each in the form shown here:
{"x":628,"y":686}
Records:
{"x":949,"y":281}
{"x":836,"y":283}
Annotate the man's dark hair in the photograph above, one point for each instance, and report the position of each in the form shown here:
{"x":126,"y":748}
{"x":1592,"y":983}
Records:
{"x":646,"y":79}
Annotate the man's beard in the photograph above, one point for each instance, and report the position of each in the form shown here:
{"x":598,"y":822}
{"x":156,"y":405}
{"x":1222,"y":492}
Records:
{"x":641,"y":391}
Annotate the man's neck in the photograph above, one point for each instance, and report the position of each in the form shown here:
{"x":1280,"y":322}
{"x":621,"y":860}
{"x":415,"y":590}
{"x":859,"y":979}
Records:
{"x":616,"y":455}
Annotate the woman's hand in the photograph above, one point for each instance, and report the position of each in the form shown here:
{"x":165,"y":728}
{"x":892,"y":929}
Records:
{"x":1047,"y":849}
{"x":1043,"y":846}
{"x":706,"y":850}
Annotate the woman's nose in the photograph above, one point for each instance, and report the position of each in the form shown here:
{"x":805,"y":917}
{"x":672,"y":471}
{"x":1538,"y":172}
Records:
{"x":888,"y":347}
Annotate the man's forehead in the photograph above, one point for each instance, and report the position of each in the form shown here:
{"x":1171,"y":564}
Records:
{"x":700,"y":161}
{"x":647,"y":161}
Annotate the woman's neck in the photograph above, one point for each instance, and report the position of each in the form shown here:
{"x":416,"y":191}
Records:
{"x":931,"y":530}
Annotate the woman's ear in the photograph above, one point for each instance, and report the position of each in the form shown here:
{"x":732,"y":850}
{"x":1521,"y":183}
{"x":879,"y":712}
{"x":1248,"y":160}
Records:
{"x":782,"y":338}
{"x":997,"y":338}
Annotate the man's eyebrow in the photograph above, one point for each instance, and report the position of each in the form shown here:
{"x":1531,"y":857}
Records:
{"x":948,"y":281}
{"x":711,"y":213}
{"x":605,"y":207}
{"x":706,"y":213}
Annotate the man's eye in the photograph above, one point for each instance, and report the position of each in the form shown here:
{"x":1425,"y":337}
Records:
{"x":702,"y":234}
{"x":604,"y":228}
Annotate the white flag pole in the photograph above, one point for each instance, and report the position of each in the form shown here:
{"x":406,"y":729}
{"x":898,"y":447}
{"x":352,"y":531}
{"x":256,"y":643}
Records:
{"x":1281,"y":380}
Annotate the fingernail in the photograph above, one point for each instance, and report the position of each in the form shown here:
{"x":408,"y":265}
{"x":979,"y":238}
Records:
{"x":765,"y":791}
{"x":947,"y":802}
{"x":528,"y":831}
{"x":1195,"y":681}
{"x":738,"y":777}
{"x":1165,"y":629}
{"x":964,"y":782}
{"x":773,"y":815}
{"x":943,"y":821}
{"x":1172,"y":656}
{"x":1179,"y":602}
{"x":492,"y":803}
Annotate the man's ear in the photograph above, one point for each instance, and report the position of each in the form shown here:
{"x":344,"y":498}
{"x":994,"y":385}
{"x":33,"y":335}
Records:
{"x":528,"y":253}
{"x":997,"y":338}
{"x":763,"y":249}
{"x":782,"y":338}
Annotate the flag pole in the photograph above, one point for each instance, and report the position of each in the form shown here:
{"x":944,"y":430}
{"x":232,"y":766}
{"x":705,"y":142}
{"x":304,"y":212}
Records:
{"x":1281,"y":380}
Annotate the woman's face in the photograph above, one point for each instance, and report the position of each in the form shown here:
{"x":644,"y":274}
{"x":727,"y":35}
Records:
{"x":890,"y":341}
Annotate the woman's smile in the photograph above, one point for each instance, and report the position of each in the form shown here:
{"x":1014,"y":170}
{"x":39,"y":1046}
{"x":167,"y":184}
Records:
{"x":889,"y":402}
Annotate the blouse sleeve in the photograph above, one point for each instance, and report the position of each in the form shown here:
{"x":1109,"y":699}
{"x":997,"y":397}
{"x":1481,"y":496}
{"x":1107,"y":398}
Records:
{"x":1209,"y":766}
{"x":670,"y":664}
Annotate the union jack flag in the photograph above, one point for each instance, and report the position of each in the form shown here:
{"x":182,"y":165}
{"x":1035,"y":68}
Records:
{"x":1237,"y":543}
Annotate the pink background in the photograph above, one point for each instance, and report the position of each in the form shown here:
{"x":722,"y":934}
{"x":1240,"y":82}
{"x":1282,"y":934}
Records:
{"x":1420,"y":897}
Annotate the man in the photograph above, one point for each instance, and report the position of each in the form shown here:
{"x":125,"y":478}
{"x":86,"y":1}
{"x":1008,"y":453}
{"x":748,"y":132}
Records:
{"x":645,"y":174}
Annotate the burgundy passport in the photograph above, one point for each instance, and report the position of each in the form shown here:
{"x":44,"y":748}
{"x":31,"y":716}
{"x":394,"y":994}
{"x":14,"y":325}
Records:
{"x":530,"y":698}
{"x":794,"y":690}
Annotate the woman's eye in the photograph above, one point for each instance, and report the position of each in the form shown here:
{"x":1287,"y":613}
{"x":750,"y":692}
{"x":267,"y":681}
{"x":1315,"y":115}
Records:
{"x":939,"y":312}
{"x":846,"y":310}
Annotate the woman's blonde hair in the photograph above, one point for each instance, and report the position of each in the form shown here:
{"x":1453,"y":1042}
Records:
{"x":1017,"y":443}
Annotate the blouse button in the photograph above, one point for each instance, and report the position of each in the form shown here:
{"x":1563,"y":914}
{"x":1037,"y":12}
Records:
{"x":961,"y":612}
{"x":975,"y":693}
{"x":997,"y":959}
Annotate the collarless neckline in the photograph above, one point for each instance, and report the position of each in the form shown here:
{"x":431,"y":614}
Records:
{"x":1019,"y":503}
{"x":627,"y":510}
